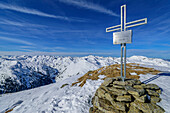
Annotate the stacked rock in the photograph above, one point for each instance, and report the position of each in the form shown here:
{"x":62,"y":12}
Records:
{"x":130,"y":96}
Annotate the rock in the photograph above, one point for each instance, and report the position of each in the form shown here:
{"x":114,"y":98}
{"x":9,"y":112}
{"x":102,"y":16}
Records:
{"x":133,"y":109}
{"x":64,"y":85}
{"x":112,"y":90}
{"x":92,"y":101}
{"x":118,"y":78}
{"x":117,"y":86}
{"x":152,"y":92}
{"x":109,"y":97}
{"x":119,"y":83}
{"x":158,"y":109}
{"x":148,"y":107}
{"x":128,"y":88}
{"x":95,"y":110}
{"x":131,"y":96}
{"x":143,"y":85}
{"x":91,"y":110}
{"x":128,"y":105}
{"x":100,"y":93}
{"x":119,"y":105}
{"x":132,"y":82}
{"x":152,"y":86}
{"x":137,"y":92}
{"x":145,"y":107}
{"x":159,"y":91}
{"x":104,"y":88}
{"x":138,"y":86}
{"x":138,"y":82}
{"x":117,"y":91}
{"x":96,"y":102}
{"x":155,"y":99}
{"x":108,"y":81}
{"x":98,"y":111}
{"x":125,"y":98}
{"x":141,"y":98}
{"x":105,"y":106}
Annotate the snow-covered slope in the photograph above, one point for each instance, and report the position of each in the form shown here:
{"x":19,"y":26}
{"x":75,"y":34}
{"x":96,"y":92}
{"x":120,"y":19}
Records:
{"x":52,"y":98}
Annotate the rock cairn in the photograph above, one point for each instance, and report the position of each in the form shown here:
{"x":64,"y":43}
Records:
{"x":131,"y":96}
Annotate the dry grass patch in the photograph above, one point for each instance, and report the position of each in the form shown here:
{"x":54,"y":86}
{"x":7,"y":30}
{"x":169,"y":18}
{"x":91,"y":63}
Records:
{"x":114,"y":71}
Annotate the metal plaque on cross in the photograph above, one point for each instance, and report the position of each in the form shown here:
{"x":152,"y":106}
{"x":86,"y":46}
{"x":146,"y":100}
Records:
{"x":122,"y":37}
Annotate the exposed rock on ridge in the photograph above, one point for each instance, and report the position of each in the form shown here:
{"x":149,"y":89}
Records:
{"x":131,"y":96}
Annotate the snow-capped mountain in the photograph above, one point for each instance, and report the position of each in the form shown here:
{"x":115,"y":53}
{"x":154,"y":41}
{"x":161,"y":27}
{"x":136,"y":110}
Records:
{"x":54,"y":99}
{"x":25,"y":72}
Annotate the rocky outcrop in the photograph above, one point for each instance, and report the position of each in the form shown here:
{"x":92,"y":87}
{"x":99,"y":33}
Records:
{"x":130,"y":96}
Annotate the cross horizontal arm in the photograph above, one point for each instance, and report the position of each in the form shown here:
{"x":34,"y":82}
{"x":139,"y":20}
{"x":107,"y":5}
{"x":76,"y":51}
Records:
{"x":109,"y":29}
{"x":136,"y":21}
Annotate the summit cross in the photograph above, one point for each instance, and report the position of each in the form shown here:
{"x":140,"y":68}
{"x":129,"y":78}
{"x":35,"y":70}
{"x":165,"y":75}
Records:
{"x":124,"y":36}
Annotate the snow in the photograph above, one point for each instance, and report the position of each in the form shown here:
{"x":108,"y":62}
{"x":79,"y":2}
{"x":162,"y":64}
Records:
{"x":73,"y":99}
{"x":101,"y":76}
{"x":133,"y":73}
{"x":52,"y":98}
{"x":156,"y":63}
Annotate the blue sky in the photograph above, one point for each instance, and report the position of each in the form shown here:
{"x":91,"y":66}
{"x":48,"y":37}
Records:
{"x":77,"y":27}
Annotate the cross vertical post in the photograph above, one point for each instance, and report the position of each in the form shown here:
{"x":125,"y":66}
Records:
{"x":124,"y":36}
{"x":124,"y":43}
{"x":123,"y":46}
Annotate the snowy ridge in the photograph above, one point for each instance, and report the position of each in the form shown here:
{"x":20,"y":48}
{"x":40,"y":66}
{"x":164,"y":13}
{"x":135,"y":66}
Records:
{"x":32,"y":71}
{"x":155,"y":63}
{"x":150,"y":61}
{"x":25,"y":72}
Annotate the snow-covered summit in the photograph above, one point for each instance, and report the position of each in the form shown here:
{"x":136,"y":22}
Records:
{"x":151,"y":62}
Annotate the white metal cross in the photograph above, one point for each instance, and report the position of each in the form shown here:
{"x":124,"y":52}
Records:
{"x":123,"y":27}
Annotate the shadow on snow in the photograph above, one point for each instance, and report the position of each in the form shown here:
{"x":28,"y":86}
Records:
{"x":157,"y":76}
